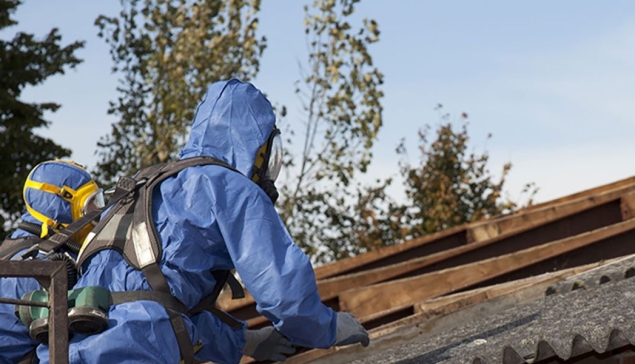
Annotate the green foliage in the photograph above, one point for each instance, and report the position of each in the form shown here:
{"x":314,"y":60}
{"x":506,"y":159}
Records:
{"x":340,"y":95}
{"x":449,"y":186}
{"x":167,"y":53}
{"x":26,"y":61}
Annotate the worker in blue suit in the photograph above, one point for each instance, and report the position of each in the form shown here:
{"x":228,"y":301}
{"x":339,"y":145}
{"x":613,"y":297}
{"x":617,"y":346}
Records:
{"x":216,"y":213}
{"x":56,"y":193}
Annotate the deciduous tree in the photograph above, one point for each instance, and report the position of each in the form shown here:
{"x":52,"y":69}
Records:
{"x":167,"y":53}
{"x":340,"y":94}
{"x":450,"y":185}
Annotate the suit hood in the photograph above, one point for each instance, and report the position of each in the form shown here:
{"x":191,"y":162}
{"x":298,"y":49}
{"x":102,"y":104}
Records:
{"x":231,"y":123}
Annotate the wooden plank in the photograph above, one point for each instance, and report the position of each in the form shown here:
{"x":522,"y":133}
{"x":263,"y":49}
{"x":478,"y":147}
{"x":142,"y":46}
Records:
{"x":586,"y":193}
{"x":483,"y":230}
{"x":529,"y":219}
{"x":366,"y":300}
{"x":446,"y":304}
{"x":330,"y":288}
{"x":347,"y":264}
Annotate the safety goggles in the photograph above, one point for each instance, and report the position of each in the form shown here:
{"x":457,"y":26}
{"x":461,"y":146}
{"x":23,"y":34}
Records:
{"x":93,"y":202}
{"x":275,"y":156}
{"x":271,"y":153}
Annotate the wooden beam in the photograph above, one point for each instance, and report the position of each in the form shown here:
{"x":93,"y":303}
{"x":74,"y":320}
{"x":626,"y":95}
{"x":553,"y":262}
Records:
{"x":366,"y":300}
{"x":330,"y":288}
{"x":482,"y":230}
{"x":529,"y":219}
{"x":586,"y":193}
{"x":439,"y":306}
{"x":345,"y":265}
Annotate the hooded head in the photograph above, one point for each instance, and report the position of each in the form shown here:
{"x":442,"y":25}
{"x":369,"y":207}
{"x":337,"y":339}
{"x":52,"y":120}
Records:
{"x":58,"y":192}
{"x":236,"y":124}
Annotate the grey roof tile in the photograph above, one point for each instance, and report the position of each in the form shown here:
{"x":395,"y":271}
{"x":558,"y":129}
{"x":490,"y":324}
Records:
{"x":595,"y":318}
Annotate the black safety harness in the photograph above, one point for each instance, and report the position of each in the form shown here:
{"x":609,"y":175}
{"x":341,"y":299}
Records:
{"x":128,"y":227}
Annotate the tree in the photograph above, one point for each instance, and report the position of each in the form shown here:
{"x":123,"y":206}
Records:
{"x":168,"y":52}
{"x":26,"y":61}
{"x":340,"y":95}
{"x":449,"y":186}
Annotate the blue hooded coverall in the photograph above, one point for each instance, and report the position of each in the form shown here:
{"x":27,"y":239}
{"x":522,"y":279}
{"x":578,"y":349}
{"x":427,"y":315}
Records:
{"x":15,"y":341}
{"x":210,"y":218}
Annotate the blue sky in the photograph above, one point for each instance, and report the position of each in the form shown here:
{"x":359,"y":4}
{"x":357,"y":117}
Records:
{"x":554,"y":81}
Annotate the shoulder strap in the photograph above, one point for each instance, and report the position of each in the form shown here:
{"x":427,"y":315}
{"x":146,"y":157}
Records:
{"x":149,"y":248}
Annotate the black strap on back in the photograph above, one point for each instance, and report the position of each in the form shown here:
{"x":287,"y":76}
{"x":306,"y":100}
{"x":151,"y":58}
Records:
{"x":152,"y":272}
{"x":208,"y":303}
{"x":156,"y":278}
{"x":235,"y":286}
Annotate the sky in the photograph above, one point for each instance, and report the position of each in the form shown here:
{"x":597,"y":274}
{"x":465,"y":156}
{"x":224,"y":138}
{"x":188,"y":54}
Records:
{"x":553,"y":81}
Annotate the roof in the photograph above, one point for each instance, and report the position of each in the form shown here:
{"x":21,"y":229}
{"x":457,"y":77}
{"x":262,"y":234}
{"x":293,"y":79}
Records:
{"x":516,"y":288}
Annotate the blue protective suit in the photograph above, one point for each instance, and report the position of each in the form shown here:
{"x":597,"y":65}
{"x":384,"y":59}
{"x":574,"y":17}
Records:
{"x":210,"y":218}
{"x":15,"y":341}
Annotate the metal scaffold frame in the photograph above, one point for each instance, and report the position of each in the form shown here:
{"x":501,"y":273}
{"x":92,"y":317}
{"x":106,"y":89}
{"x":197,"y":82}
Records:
{"x":53,"y":276}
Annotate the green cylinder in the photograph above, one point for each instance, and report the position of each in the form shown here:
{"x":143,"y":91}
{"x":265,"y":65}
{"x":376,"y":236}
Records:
{"x":88,"y":310}
{"x":29,"y":313}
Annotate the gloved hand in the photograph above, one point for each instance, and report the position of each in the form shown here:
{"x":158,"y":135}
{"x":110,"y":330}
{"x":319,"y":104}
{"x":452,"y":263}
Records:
{"x":350,"y":331}
{"x":267,"y":344}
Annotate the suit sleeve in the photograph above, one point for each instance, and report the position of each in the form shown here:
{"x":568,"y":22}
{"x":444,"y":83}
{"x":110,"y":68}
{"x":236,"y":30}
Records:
{"x":276,"y":272}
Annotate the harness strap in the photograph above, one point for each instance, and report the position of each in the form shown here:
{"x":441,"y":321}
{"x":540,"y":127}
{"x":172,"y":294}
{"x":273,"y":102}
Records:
{"x":235,"y":286}
{"x":168,"y":301}
{"x":208,"y":303}
{"x":157,"y":281}
{"x":11,"y":247}
{"x":29,"y":358}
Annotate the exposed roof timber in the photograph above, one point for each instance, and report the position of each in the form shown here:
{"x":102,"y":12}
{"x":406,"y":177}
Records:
{"x":481,"y":230}
{"x":366,"y":300}
{"x":443,"y":305}
{"x":470,"y":253}
{"x":586,"y":193}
